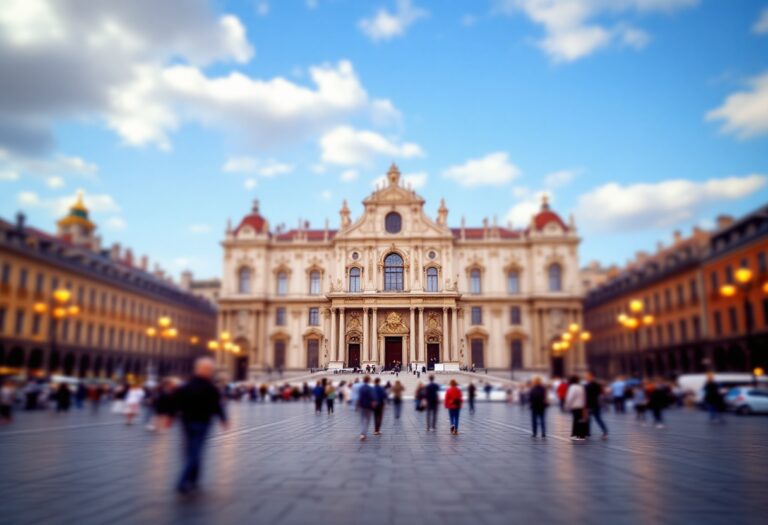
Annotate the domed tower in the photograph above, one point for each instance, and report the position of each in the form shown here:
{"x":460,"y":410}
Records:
{"x":76,"y":227}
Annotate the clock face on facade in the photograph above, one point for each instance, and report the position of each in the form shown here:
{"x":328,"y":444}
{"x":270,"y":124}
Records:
{"x":393,"y":222}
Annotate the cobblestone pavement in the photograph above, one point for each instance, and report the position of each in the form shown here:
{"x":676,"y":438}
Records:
{"x":282,"y":464}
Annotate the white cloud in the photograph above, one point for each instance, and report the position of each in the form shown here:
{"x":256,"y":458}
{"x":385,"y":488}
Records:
{"x":326,"y":195}
{"x":266,"y":168}
{"x":8,"y":175}
{"x":761,"y":25}
{"x":318,"y":168}
{"x":468,"y":20}
{"x":492,"y":170}
{"x":617,"y":207}
{"x":520,"y":214}
{"x":349,"y":176}
{"x":385,"y":25}
{"x":199,"y":228}
{"x":347,"y":146}
{"x":102,"y":61}
{"x":745,"y":113}
{"x":250,"y":184}
{"x":311,"y":4}
{"x":59,"y":206}
{"x":55,"y":182}
{"x":116,"y":223}
{"x":262,"y":8}
{"x":572,"y":31}
{"x":558,"y":179}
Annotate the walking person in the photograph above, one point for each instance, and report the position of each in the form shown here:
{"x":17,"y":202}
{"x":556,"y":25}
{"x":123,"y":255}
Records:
{"x":471,"y":395}
{"x":7,"y":399}
{"x":397,"y":398}
{"x":575,"y":402}
{"x":380,"y":400}
{"x":365,"y":403}
{"x":594,"y":393}
{"x":319,"y":394}
{"x":63,"y":398}
{"x":432,"y":398}
{"x":562,"y":391}
{"x":330,"y":397}
{"x":640,"y":401}
{"x":197,"y":402}
{"x":133,"y":400}
{"x":657,"y":402}
{"x":453,"y":402}
{"x":618,"y":393}
{"x":537,"y":400}
{"x":713,"y":399}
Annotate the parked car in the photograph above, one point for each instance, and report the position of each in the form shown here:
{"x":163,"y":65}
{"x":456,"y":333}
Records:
{"x":692,"y":385}
{"x":747,"y":400}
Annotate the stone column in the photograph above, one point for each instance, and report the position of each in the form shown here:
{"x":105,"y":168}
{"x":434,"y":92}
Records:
{"x":264,"y":337}
{"x":333,"y":342}
{"x":421,"y":355}
{"x":454,"y":335}
{"x":445,"y":350}
{"x":324,"y":342}
{"x":412,"y":328}
{"x":342,"y":338}
{"x":366,"y":356}
{"x":375,"y":337}
{"x":460,"y":312}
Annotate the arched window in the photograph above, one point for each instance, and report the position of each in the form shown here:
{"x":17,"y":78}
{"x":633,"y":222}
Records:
{"x":282,"y":283}
{"x":354,"y":279}
{"x":314,"y":282}
{"x":244,"y":280}
{"x":393,"y":222}
{"x":432,"y":284}
{"x":513,"y":282}
{"x":474,"y":281}
{"x":393,"y":273}
{"x":555,"y":277}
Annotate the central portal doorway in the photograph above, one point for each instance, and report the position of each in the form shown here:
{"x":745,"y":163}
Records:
{"x":433,"y":355}
{"x":354,"y":355}
{"x":393,"y":352}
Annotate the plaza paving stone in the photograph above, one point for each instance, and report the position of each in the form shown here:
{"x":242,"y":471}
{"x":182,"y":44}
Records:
{"x":282,"y":464}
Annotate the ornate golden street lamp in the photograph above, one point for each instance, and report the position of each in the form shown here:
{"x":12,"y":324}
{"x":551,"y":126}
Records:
{"x":59,"y":307}
{"x":572,"y":337}
{"x":740,"y":289}
{"x":633,"y":320}
{"x":224,"y":343}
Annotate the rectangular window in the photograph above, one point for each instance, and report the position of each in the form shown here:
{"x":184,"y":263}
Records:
{"x":314,"y":317}
{"x":718,"y":324}
{"x":474,"y":282}
{"x":23,"y":279}
{"x":280,"y":316}
{"x":477,"y":315}
{"x":762,"y":265}
{"x":733,"y":319}
{"x":680,"y":295}
{"x":354,"y":280}
{"x":696,"y":323}
{"x":78,"y":331}
{"x":54,"y":283}
{"x":19,"y":329}
{"x":6,"y":273}
{"x":715,"y":283}
{"x":668,"y":299}
{"x":517,"y":354}
{"x":749,"y":316}
{"x":101,"y":336}
{"x":89,"y":335}
{"x":65,"y":330}
{"x":282,"y":284}
{"x":432,"y":285}
{"x":80,"y":295}
{"x":2,"y":319}
{"x":513,"y":283}
{"x":39,"y":282}
{"x":656,"y":303}
{"x":515,"y":316}
{"x":660,"y":335}
{"x":729,"y":274}
{"x":671,"y":333}
{"x":694,"y":291}
{"x":683,"y":331}
{"x":36,"y":319}
{"x":765,"y":314}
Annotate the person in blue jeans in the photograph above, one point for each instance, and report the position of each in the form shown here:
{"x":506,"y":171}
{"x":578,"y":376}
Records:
{"x":537,"y":400}
{"x":594,"y":392}
{"x":365,"y":404}
{"x":453,"y":402}
{"x":432,"y":397}
{"x":197,"y":402}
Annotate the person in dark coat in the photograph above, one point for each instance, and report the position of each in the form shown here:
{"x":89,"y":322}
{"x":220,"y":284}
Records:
{"x":432,"y":397}
{"x":471,"y":395}
{"x":713,"y":399}
{"x":365,"y":403}
{"x":63,"y":398}
{"x":657,"y":402}
{"x":537,"y":400}
{"x":319,"y":393}
{"x":380,"y":397}
{"x":197,"y":402}
{"x":594,"y":392}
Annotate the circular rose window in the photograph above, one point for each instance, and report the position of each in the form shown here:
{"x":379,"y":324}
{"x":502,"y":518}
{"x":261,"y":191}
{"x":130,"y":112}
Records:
{"x":432,"y":255}
{"x":355,"y":255}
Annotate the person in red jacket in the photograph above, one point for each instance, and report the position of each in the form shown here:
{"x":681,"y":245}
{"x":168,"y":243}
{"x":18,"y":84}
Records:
{"x":453,"y":401}
{"x":562,"y":390}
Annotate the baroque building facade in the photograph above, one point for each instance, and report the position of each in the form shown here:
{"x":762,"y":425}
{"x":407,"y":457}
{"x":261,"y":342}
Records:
{"x":397,"y":287}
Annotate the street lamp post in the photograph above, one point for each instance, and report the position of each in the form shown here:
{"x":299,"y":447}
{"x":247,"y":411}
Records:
{"x":59,"y":307}
{"x":572,"y":337}
{"x":164,"y":329}
{"x":632,"y":321}
{"x":224,"y":344}
{"x":742,"y":288}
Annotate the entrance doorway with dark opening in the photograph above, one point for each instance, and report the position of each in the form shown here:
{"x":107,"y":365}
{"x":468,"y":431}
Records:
{"x":393,"y":352}
{"x":558,"y":367}
{"x":478,"y":353}
{"x":433,"y":355}
{"x":354,"y":355}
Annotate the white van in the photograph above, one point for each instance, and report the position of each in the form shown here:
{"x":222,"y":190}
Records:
{"x":693,"y":384}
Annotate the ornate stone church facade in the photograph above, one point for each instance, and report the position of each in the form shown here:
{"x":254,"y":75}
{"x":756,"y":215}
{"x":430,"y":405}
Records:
{"x":396,"y":287}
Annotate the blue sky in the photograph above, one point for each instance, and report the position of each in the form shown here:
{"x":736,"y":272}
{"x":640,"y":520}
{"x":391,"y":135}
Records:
{"x":638,"y":116}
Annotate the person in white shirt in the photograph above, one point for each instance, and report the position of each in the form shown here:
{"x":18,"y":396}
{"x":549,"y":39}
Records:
{"x":576,"y":402}
{"x":133,"y":400}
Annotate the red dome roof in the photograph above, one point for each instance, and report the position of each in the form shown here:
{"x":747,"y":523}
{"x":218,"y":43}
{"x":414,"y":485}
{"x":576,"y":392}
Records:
{"x":254,"y":220}
{"x":545,"y":216}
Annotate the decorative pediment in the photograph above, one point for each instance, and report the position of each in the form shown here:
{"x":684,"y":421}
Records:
{"x":433,"y":332}
{"x":393,"y":324}
{"x":354,"y":323}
